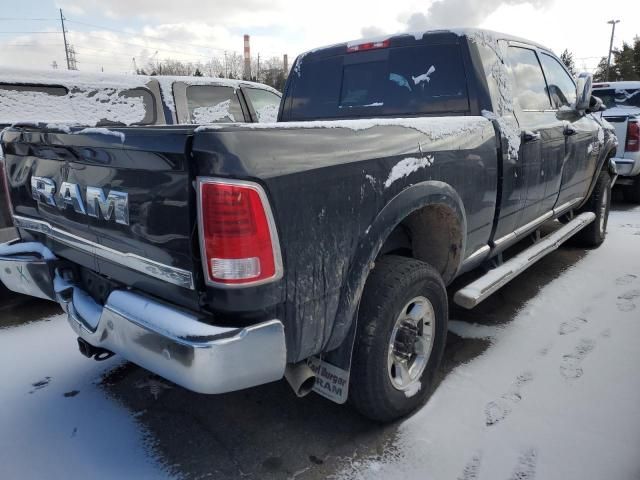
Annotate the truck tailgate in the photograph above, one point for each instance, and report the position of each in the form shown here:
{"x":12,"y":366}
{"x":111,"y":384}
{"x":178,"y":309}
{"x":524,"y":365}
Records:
{"x":619,"y":122}
{"x":122,"y":206}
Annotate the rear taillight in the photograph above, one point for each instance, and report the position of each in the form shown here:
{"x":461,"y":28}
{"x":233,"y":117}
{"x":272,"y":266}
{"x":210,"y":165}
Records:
{"x":359,"y":47}
{"x":238,"y":240}
{"x":633,"y":137}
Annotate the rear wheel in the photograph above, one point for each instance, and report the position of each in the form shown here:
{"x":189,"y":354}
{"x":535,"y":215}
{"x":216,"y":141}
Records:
{"x":599,"y":203}
{"x":402,"y":328}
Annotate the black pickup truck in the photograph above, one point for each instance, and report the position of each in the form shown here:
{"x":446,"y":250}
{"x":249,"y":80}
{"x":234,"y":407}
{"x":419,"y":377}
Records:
{"x":320,"y":247}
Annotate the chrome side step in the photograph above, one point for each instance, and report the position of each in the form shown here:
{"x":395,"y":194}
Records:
{"x":477,"y":291}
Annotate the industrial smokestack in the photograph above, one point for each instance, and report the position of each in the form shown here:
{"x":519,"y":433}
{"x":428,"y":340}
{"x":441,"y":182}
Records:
{"x":286,"y":64}
{"x":247,"y":58}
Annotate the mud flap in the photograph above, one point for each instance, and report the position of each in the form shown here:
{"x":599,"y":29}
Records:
{"x":331,"y":382}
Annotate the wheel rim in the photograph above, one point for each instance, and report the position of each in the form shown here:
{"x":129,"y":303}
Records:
{"x":410,"y":344}
{"x":603,"y":211}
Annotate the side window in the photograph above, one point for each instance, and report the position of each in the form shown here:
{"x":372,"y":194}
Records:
{"x":562,"y":90}
{"x":530,"y":89}
{"x":265,"y":103}
{"x":213,"y":104}
{"x":111,"y":106}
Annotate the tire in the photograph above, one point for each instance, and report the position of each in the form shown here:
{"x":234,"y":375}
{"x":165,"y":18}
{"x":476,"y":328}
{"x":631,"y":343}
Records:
{"x":599,"y":203}
{"x":392,"y":286}
{"x":632,"y":192}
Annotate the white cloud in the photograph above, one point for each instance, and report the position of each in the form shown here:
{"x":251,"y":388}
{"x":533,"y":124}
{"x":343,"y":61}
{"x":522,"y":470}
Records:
{"x":462,"y":13}
{"x":192,"y":30}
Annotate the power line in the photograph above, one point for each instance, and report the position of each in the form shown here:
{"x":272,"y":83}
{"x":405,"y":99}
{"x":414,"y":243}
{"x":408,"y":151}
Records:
{"x":156,"y":39}
{"x":28,"y":19}
{"x":29,"y":33}
{"x":181,"y":52}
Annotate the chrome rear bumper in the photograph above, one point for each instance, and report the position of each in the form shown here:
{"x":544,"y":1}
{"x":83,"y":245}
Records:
{"x":168,"y":341}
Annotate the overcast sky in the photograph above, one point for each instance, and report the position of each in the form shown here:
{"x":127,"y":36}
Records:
{"x":108,"y":34}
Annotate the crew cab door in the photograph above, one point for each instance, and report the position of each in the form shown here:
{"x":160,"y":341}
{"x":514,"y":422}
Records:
{"x":542,"y":145}
{"x":581,"y":132}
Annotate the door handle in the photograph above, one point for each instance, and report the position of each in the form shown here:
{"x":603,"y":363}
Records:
{"x":531,"y":136}
{"x":570,"y":131}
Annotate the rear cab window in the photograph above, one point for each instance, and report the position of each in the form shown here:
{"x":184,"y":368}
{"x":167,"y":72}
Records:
{"x":25,"y":102}
{"x":619,"y":97}
{"x":392,"y":81}
{"x":265,"y":104}
{"x":102,"y":106}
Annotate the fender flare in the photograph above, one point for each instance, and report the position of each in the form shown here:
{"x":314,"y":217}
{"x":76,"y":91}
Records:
{"x":605,"y":161}
{"x":394,"y":212}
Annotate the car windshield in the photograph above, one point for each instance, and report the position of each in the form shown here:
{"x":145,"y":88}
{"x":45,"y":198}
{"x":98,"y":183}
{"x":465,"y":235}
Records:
{"x":618,"y":97}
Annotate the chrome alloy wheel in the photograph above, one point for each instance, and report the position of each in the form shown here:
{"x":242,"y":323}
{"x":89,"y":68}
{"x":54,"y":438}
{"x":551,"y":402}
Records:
{"x":411,"y":343}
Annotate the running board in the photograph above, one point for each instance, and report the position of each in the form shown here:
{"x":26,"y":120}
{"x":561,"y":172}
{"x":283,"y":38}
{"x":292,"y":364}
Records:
{"x":474,"y":293}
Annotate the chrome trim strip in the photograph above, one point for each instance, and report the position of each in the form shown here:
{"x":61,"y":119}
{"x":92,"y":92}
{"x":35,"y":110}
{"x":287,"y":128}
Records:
{"x":522,"y":230}
{"x":478,"y":253}
{"x":176,"y":276}
{"x":538,"y":221}
{"x":566,"y":206}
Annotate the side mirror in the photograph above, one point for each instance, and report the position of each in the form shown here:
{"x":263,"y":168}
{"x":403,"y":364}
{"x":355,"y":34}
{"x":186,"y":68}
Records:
{"x":596,"y":105}
{"x":584,"y":86}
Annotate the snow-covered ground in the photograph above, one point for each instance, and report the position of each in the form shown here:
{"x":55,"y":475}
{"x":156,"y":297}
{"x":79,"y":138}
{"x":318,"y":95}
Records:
{"x":556,"y":396}
{"x":55,"y":421}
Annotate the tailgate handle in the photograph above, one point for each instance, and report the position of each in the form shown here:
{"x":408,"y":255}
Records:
{"x":529,"y":136}
{"x":570,"y":131}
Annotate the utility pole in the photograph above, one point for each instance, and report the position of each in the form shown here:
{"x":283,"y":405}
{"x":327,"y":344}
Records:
{"x":54,"y":65}
{"x":258,"y":72}
{"x":226,"y":75}
{"x":64,"y":37}
{"x":613,"y":32}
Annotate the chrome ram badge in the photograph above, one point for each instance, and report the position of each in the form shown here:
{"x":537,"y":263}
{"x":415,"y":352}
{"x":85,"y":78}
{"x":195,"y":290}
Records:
{"x":113,"y":204}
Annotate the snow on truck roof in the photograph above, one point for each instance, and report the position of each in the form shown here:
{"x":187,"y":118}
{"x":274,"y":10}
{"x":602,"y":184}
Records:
{"x":472,"y":33}
{"x":71,"y":78}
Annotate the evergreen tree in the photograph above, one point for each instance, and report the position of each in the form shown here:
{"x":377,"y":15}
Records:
{"x":569,"y":62}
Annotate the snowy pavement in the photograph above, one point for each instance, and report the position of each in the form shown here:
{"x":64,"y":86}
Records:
{"x":556,"y":396}
{"x":540,"y":382}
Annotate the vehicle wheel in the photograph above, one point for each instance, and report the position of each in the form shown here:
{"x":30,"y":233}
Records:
{"x":402,"y":330}
{"x":600,"y":204}
{"x":632,"y":192}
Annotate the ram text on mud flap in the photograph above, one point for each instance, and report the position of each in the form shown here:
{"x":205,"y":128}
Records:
{"x":331,"y":382}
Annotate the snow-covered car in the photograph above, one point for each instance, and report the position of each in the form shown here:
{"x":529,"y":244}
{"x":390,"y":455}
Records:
{"x":623,"y":112}
{"x":124,"y":100}
{"x":103,"y":100}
